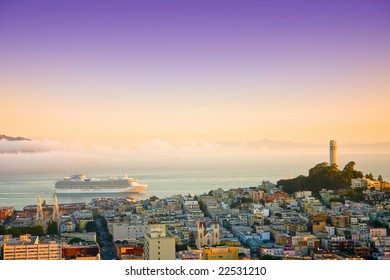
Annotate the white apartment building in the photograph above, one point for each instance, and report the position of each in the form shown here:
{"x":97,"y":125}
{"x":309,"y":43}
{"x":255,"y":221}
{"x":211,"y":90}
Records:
{"x":123,"y":231}
{"x":159,"y":244}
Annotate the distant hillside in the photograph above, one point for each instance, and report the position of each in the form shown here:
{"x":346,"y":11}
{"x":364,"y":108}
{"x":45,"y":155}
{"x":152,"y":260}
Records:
{"x":10,"y":138}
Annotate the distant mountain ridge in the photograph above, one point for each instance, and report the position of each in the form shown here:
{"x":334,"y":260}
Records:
{"x":272,"y":144}
{"x":10,"y":138}
{"x":280,"y":144}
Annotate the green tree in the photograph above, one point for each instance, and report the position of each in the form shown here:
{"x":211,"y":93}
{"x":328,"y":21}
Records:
{"x":181,"y":247}
{"x":103,"y":221}
{"x":246,"y":200}
{"x":37,"y":230}
{"x":76,"y":240}
{"x":270,"y":257}
{"x":369,"y":176}
{"x":95,"y":214}
{"x":52,"y":228}
{"x":337,"y":199}
{"x":90,"y":226}
{"x":14,"y":231}
{"x":202,"y":206}
{"x":109,"y":237}
{"x":355,"y":194}
{"x":17,"y":231}
{"x":380,"y":178}
{"x":2,"y":230}
{"x":241,"y":255}
{"x":294,"y":185}
{"x":99,"y":239}
{"x":348,"y":170}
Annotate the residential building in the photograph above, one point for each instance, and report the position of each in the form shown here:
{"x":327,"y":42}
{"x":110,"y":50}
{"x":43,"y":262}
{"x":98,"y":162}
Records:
{"x":81,"y":252}
{"x":129,"y":251}
{"x":27,"y":247}
{"x":221,"y":253}
{"x":159,"y":244}
{"x":122,"y":231}
{"x":6,"y":212}
{"x":190,"y":255}
{"x":378,"y":232}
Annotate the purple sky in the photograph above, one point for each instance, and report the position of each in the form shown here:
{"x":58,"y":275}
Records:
{"x":188,"y":53}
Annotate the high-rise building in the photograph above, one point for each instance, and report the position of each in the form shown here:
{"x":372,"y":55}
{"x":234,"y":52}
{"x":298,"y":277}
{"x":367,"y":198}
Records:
{"x":159,"y":243}
{"x":333,"y":152}
{"x":27,"y":247}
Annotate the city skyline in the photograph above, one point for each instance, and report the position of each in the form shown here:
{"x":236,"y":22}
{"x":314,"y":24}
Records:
{"x":123,"y":73}
{"x":194,"y":130}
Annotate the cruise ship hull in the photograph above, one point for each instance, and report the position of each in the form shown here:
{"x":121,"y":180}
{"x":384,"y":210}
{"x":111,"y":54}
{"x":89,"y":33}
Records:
{"x":87,"y":190}
{"x":79,"y":184}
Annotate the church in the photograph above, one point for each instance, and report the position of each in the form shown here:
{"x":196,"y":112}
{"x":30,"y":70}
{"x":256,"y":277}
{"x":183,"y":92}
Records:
{"x":207,"y":236}
{"x":43,"y":220}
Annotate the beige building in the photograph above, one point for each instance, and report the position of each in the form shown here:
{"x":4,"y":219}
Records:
{"x":27,"y":247}
{"x":159,"y":244}
{"x":340,"y":221}
{"x":366,"y":183}
{"x":378,"y":232}
{"x":190,"y":255}
{"x":302,"y":194}
{"x":122,"y":231}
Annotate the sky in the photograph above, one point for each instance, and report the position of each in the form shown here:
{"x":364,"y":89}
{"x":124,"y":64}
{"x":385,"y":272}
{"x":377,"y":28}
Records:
{"x":125,"y":73}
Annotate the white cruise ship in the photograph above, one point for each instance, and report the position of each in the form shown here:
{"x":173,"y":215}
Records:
{"x":80,"y":184}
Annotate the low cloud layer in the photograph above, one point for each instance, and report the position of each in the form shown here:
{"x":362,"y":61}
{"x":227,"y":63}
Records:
{"x":159,"y":148}
{"x":153,"y":148}
{"x":33,"y":146}
{"x":37,"y":157}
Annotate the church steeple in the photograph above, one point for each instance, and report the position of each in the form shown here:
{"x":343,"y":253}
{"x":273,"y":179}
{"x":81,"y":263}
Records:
{"x":56,"y":212}
{"x":39,"y":216}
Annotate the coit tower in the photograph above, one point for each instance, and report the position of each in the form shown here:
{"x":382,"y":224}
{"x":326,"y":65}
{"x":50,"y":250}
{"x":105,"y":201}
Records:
{"x":333,"y":152}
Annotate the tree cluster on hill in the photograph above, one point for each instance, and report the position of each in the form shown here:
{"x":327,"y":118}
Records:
{"x":322,"y":176}
{"x":17,"y":231}
{"x":52,"y":228}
